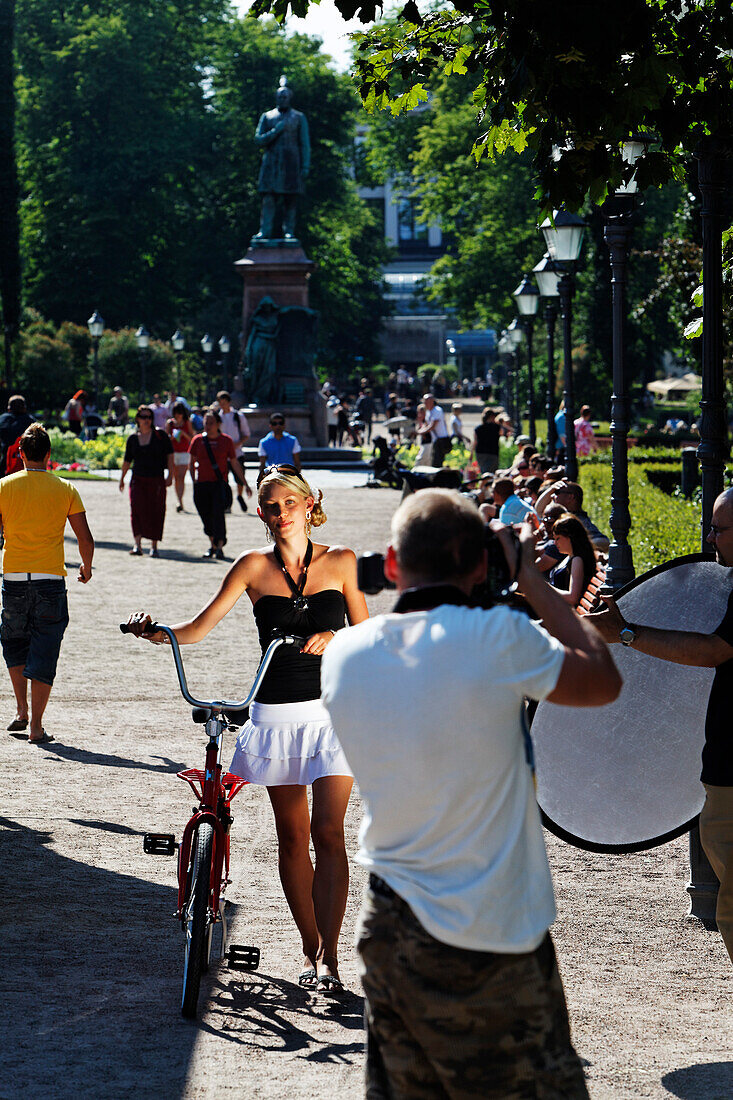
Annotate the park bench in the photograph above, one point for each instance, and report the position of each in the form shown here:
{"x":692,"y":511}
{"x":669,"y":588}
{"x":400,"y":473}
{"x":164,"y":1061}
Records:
{"x":590,"y":600}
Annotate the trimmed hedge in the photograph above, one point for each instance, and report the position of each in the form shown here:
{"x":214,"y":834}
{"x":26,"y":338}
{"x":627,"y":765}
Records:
{"x":662,"y":526}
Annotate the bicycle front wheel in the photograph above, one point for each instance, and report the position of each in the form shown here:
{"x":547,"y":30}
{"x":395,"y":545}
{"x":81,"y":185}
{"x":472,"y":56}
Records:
{"x":196,"y":917}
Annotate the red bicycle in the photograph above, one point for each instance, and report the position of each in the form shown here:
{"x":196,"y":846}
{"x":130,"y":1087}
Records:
{"x":203,"y":852}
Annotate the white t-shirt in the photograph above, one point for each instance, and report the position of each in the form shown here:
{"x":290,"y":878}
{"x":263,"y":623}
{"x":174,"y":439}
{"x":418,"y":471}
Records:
{"x":435,"y":417}
{"x":428,"y":707}
{"x":161,"y":415}
{"x":238,"y":431}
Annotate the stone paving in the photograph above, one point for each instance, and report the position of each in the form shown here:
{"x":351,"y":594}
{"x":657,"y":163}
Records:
{"x":90,"y":981}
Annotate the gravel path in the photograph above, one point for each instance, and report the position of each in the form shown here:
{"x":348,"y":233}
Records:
{"x":90,"y":980}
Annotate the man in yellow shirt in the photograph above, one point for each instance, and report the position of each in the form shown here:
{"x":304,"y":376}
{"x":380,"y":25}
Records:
{"x":34,"y":507}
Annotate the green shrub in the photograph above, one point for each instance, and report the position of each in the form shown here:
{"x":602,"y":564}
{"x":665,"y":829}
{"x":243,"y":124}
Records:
{"x":662,"y":526}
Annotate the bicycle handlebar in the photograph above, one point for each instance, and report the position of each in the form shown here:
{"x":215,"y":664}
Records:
{"x":218,"y":704}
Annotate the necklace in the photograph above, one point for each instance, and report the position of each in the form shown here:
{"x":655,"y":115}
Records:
{"x":300,"y":602}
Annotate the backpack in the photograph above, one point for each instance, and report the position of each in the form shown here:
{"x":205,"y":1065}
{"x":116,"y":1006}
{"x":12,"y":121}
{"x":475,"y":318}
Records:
{"x":13,"y":460}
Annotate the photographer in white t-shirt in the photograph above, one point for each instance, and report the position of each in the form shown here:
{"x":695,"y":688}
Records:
{"x":457,"y":963}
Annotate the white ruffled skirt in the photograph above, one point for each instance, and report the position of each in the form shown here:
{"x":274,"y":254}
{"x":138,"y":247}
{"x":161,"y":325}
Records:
{"x":286,"y":743}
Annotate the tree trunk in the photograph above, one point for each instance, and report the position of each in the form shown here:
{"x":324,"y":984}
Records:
{"x":10,"y":279}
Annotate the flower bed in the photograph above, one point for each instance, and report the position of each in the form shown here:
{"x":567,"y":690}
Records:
{"x":106,"y":452}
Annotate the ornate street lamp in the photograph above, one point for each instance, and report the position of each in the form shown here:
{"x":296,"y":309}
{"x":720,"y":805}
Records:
{"x":224,"y":347}
{"x":713,"y":156}
{"x":547,"y":279}
{"x":564,"y":239}
{"x":505,"y":348}
{"x":515,"y":336}
{"x":142,"y":338}
{"x":527,"y":297}
{"x":178,"y":343}
{"x":95,"y":325}
{"x":618,"y":215}
{"x":207,"y":346}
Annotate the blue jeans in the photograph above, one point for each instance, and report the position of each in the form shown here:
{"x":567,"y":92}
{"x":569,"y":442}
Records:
{"x":34,"y":617}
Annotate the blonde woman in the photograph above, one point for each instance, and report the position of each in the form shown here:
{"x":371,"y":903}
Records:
{"x":288,"y":743}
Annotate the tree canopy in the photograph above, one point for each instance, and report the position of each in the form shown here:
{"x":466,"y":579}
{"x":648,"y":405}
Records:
{"x":138,"y":167}
{"x":557,"y":80}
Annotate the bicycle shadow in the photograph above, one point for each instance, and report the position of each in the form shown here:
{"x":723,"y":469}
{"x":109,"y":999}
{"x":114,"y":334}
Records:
{"x":270,"y":1013}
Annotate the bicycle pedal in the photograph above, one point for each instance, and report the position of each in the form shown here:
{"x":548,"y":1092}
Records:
{"x":159,"y":844}
{"x":243,"y":958}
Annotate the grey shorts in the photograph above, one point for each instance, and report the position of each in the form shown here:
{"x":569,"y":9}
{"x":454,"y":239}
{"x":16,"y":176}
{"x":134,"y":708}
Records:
{"x":444,"y":1022}
{"x":34,"y":617}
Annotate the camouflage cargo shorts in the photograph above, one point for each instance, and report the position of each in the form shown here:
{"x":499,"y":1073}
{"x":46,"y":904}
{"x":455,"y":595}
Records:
{"x":446,"y":1022}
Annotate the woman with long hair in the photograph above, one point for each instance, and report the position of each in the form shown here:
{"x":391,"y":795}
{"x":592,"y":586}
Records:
{"x":573,"y":574}
{"x":288,"y":744}
{"x":149,"y":453}
{"x":180,"y":429}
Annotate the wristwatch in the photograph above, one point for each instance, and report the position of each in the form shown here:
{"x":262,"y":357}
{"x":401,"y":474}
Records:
{"x":627,"y":634}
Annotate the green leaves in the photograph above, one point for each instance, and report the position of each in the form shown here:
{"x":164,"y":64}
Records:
{"x":552,"y":82}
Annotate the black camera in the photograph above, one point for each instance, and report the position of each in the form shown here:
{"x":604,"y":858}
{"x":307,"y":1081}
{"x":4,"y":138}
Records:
{"x":499,"y":586}
{"x":370,"y":573}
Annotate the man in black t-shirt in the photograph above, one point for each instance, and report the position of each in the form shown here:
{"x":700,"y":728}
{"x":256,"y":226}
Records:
{"x":485,"y":447}
{"x":709,"y":651}
{"x":12,"y":425}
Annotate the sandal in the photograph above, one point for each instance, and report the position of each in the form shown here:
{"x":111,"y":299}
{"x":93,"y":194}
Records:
{"x":307,"y":979}
{"x":42,"y":740}
{"x":18,"y":724}
{"x":331,"y":986}
{"x":136,"y":552}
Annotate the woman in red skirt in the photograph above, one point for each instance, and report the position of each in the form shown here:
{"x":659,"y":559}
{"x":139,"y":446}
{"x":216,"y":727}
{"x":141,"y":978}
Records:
{"x":149,"y":452}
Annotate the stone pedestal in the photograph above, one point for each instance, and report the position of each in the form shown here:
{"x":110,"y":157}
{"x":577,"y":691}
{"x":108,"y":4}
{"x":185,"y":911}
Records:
{"x":280,"y":270}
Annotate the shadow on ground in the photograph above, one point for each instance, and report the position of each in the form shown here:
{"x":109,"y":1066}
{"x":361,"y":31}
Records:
{"x":91,"y":983}
{"x":708,"y":1081}
{"x":109,"y":760}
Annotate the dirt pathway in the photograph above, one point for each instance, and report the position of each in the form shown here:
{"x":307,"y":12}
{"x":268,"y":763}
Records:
{"x":90,"y":979}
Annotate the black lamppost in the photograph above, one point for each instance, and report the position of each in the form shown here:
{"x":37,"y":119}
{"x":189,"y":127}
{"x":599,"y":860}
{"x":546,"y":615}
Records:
{"x":178,"y":343}
{"x":527,"y":297}
{"x":506,"y":354}
{"x":515,"y":336}
{"x":224,"y":347}
{"x":618,"y":215}
{"x":547,"y":280}
{"x":712,"y":155}
{"x":142,"y":336}
{"x":564,"y":239}
{"x":207,"y":346}
{"x":96,"y":328}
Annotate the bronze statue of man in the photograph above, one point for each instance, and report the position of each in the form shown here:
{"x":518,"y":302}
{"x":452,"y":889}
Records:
{"x":282,"y":134}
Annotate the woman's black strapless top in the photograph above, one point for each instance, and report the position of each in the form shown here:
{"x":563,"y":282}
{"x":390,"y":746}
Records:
{"x":294,"y":676}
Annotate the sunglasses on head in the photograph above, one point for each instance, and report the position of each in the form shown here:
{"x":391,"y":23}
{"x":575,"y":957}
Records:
{"x":283,"y":468}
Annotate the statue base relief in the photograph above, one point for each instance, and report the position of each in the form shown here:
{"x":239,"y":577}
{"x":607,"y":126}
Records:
{"x":279,"y":270}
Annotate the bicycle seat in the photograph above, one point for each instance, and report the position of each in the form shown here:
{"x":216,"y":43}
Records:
{"x":236,"y":717}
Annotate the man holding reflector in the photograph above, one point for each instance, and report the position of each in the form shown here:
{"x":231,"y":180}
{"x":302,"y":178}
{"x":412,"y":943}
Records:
{"x":713,"y":650}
